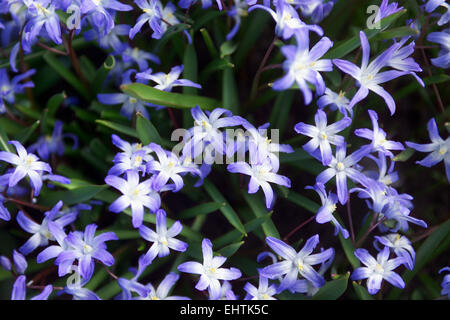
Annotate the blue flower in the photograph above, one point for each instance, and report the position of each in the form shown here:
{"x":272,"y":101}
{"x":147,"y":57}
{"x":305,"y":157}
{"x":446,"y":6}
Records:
{"x":206,"y":132}
{"x":166,"y":81}
{"x":325,"y":212}
{"x":210,"y":271}
{"x":152,"y":15}
{"x":85,"y":247}
{"x":368,"y":75}
{"x":239,"y":10}
{"x":439,"y":148}
{"x":378,"y":137}
{"x":42,"y":14}
{"x":111,"y":40}
{"x":377,"y":270}
{"x":54,"y":144}
{"x":162,"y":292}
{"x":40,"y":232}
{"x":342,"y":167}
{"x":167,"y":167}
{"x":442,"y":38}
{"x":287,"y":20}
{"x":8,"y":89}
{"x":261,"y":173}
{"x":317,"y":10}
{"x":400,"y":245}
{"x":296,"y":263}
{"x":335,"y":101}
{"x":139,"y":57}
{"x":130,"y":105}
{"x":303,"y":65}
{"x":163,"y":239}
{"x":19,"y":290}
{"x":27,"y":164}
{"x":432,"y":5}
{"x":263,"y":292}
{"x":323,"y":135}
{"x":402,"y":61}
{"x":135,"y":194}
{"x":99,"y":13}
{"x":445,"y":282}
{"x":184,"y":4}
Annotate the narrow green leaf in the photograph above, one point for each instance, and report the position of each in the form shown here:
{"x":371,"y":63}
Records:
{"x":102,"y":73}
{"x":71,"y":197}
{"x":209,"y":43}
{"x":4,"y":145}
{"x":230,"y":97}
{"x":349,"y":45}
{"x":361,"y":292}
{"x":280,"y":111}
{"x":169,"y":99}
{"x":213,"y":66}
{"x":146,"y":131}
{"x":230,"y":249}
{"x":201,"y":209}
{"x":227,"y":210}
{"x":190,"y":70}
{"x":54,"y":102}
{"x":235,"y":235}
{"x":332,"y":289}
{"x":404,"y":155}
{"x":259,"y":209}
{"x":349,"y":250}
{"x":399,"y":32}
{"x":118,"y":127}
{"x":303,"y":202}
{"x":26,"y":133}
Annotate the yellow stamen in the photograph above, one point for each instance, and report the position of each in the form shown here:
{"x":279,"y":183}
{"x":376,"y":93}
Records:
{"x":340,"y":166}
{"x":341,"y":94}
{"x":265,"y":296}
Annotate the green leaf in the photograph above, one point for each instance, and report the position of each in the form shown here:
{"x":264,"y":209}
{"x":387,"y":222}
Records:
{"x":259,"y":209}
{"x":227,"y":48}
{"x":425,"y":254}
{"x":168,"y":99}
{"x":303,"y":202}
{"x":404,"y":155}
{"x":235,"y":235}
{"x":349,"y":250}
{"x":361,"y":292}
{"x":66,"y":74}
{"x":201,"y":209}
{"x":230,"y":96}
{"x":349,"y":45}
{"x":4,"y":145}
{"x":226,"y":210}
{"x":71,"y":197}
{"x":146,"y":131}
{"x":399,"y":32}
{"x":215,"y":65}
{"x":26,"y":133}
{"x":118,"y":127}
{"x":332,"y":289}
{"x":190,"y":70}
{"x":231,"y":249}
{"x":209,"y":43}
{"x":102,"y":73}
{"x":54,"y":102}
{"x":280,"y":111}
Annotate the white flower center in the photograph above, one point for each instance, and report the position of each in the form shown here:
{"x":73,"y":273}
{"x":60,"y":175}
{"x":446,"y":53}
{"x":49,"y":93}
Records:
{"x":340,"y":166}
